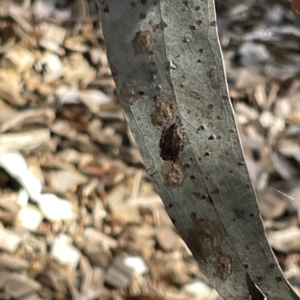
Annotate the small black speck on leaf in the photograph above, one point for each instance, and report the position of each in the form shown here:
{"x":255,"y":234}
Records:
{"x":193,"y":215}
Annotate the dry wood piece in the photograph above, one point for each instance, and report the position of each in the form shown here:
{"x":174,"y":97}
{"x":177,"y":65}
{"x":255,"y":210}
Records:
{"x":16,"y":141}
{"x":29,"y":217}
{"x":92,"y":284}
{"x":10,"y":262}
{"x":271,"y":204}
{"x":286,"y":240}
{"x":18,"y":286}
{"x":64,"y":252}
{"x":168,"y":239}
{"x":9,"y":240}
{"x":118,"y":274}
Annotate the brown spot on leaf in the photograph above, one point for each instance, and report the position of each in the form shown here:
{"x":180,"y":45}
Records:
{"x":215,"y":191}
{"x":205,"y":239}
{"x":142,"y":42}
{"x":173,"y":174}
{"x":222,"y":265}
{"x":197,"y":194}
{"x":171,"y":143}
{"x":162,"y":115}
{"x":163,"y":24}
{"x":129,"y":92}
{"x":195,"y":95}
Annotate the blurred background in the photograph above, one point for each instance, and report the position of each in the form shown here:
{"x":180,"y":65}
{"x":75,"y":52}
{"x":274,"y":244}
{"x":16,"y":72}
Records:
{"x":79,"y":218}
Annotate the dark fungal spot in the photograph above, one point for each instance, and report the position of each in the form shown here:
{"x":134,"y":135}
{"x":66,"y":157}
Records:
{"x":197,"y":194}
{"x":171,"y":143}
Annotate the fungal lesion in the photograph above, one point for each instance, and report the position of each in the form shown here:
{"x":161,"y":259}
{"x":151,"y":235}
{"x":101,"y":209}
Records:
{"x":205,"y":239}
{"x":129,"y":92}
{"x":222,"y":265}
{"x":173,"y":174}
{"x":171,"y":143}
{"x":142,"y":42}
{"x":162,"y":115}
